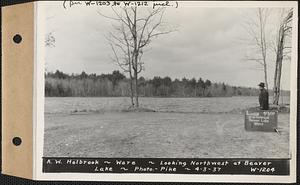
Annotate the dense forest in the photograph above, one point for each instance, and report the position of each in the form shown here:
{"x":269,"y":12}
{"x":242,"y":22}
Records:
{"x":60,"y":84}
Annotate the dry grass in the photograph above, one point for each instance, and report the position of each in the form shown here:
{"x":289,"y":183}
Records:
{"x":152,"y":134}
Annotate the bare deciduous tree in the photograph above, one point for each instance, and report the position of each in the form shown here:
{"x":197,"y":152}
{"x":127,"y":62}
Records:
{"x":282,"y":51}
{"x":281,"y":46}
{"x":133,"y":32}
{"x":256,"y":27}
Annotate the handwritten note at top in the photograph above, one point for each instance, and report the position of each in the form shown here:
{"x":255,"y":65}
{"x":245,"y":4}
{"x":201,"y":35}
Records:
{"x":153,"y":4}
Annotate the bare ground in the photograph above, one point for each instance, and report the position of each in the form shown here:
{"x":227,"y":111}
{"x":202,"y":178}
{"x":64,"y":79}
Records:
{"x":153,"y":134}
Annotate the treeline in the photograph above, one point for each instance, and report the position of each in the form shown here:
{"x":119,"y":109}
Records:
{"x":60,"y":84}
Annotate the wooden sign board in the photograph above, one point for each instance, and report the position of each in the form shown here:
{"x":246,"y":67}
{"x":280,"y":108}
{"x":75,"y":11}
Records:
{"x":261,"y":120}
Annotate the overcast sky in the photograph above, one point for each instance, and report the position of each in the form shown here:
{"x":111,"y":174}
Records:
{"x":208,"y":44}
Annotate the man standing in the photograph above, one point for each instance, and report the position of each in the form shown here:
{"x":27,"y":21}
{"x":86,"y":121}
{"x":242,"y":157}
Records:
{"x":263,"y":97}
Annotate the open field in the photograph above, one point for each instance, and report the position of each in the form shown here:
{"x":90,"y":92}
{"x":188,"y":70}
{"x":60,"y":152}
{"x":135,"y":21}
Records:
{"x":160,"y":134}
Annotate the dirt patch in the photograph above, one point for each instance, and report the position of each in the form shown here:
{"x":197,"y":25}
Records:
{"x":138,"y":109}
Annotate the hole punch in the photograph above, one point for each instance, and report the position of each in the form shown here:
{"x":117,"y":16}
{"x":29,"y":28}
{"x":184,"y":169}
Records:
{"x":17,"y":39}
{"x":17,"y":141}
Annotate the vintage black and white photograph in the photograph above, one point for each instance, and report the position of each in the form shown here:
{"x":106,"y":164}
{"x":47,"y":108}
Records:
{"x":167,"y":80}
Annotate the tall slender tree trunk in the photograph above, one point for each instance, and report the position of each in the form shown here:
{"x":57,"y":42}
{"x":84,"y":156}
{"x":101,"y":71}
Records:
{"x":136,"y":53}
{"x":277,"y":86}
{"x":278,"y":67}
{"x":275,"y":89}
{"x":131,"y":90}
{"x":136,"y":90}
{"x":266,"y":76}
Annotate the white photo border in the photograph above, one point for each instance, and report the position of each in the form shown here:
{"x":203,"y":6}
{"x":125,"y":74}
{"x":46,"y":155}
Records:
{"x":38,"y":113}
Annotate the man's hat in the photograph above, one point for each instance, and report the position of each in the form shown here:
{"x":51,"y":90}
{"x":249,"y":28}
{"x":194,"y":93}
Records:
{"x":261,"y":84}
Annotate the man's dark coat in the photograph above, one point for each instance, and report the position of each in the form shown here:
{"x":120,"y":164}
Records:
{"x":264,"y":99}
